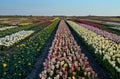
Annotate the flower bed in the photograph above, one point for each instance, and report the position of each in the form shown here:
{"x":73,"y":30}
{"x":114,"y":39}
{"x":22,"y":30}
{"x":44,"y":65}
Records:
{"x":113,"y":23}
{"x":45,"y":23}
{"x":65,"y":59}
{"x":14,"y":38}
{"x":109,"y":20}
{"x":12,"y":30}
{"x":8,"y":44}
{"x":19,"y":64}
{"x":27,"y":23}
{"x":106,"y":51}
{"x":87,"y":22}
{"x":111,"y":36}
{"x":116,"y":28}
{"x":5,"y":28}
{"x":111,"y":28}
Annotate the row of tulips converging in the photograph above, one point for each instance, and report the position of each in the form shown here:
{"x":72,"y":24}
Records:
{"x":65,"y":59}
{"x":107,"y":50}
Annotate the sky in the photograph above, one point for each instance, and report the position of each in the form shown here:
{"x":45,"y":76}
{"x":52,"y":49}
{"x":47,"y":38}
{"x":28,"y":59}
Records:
{"x":60,"y":7}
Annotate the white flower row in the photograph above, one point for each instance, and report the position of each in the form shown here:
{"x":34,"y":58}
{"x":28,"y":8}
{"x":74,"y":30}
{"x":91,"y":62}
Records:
{"x":116,"y":27}
{"x":5,"y":28}
{"x":108,"y":49}
{"x":113,"y":23}
{"x":14,"y":38}
{"x":98,"y":21}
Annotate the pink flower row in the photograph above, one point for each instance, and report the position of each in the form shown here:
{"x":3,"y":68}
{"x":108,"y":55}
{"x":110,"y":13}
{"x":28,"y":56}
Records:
{"x":65,"y":59}
{"x":110,"y":36}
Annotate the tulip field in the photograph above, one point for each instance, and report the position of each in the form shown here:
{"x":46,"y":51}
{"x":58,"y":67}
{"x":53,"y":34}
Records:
{"x":65,"y":59}
{"x":103,"y":45}
{"x":44,"y":47}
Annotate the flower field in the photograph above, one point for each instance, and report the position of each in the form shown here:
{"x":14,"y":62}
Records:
{"x":111,"y":36}
{"x":106,"y":51}
{"x":65,"y":59}
{"x":112,"y":26}
{"x":46,"y":47}
{"x":19,"y":64}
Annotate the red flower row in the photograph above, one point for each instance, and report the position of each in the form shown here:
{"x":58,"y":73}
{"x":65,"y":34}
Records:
{"x":45,"y":23}
{"x":87,"y":22}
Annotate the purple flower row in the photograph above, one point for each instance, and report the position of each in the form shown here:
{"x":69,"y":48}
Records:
{"x":110,"y":36}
